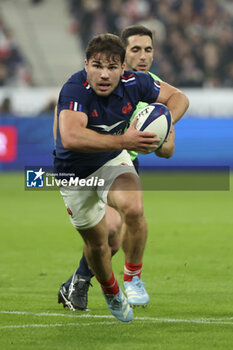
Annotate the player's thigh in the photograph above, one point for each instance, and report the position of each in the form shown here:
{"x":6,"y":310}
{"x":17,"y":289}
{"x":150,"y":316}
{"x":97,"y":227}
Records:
{"x":125,"y":194}
{"x":84,"y":207}
{"x":121,"y":164}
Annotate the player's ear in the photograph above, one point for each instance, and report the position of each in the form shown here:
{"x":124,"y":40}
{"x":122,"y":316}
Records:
{"x":86,"y":64}
{"x":123,"y":68}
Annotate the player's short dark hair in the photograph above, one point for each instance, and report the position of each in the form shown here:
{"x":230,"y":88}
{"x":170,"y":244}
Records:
{"x":134,"y":30}
{"x":108,"y":44}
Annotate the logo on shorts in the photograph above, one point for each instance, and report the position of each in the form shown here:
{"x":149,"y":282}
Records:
{"x":35,"y":178}
{"x":69,"y":212}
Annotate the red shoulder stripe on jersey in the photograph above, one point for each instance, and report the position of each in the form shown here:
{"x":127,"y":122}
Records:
{"x":128,"y":76}
{"x":86,"y":83}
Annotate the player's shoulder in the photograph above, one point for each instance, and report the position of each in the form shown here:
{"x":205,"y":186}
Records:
{"x":77,"y":78}
{"x":143,"y":77}
{"x":154,"y":76}
{"x":77,"y":83}
{"x":130,"y":78}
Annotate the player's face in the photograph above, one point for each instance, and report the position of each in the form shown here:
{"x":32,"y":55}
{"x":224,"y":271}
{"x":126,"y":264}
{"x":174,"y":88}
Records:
{"x":139,"y":53}
{"x":103,"y":74}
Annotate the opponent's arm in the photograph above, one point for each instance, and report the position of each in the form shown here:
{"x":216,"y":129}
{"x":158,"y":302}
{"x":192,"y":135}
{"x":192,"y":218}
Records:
{"x":174,"y":99}
{"x":76,"y":137}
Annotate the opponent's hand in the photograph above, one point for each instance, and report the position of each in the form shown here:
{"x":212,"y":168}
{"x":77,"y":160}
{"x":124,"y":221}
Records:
{"x":139,"y":141}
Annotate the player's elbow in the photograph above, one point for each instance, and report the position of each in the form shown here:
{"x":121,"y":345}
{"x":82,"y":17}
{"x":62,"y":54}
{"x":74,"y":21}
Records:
{"x":169,"y":153}
{"x":166,"y":151}
{"x":181,"y":99}
{"x":186,"y":101}
{"x":68,"y":142}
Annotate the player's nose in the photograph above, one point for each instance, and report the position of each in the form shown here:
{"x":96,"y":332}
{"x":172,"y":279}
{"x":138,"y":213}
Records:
{"x":143,"y":55}
{"x":104,"y":73}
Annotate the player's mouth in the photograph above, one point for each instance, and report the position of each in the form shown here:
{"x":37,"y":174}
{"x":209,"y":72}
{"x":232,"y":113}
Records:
{"x":104,"y":86}
{"x":142,"y":67}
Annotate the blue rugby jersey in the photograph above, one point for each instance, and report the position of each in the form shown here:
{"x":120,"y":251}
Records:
{"x":106,"y":115}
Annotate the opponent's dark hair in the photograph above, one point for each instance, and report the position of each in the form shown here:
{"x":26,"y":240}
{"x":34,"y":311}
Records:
{"x":134,"y":30}
{"x":107,"y":44}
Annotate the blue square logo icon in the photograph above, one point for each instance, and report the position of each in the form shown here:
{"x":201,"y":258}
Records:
{"x":35,"y":178}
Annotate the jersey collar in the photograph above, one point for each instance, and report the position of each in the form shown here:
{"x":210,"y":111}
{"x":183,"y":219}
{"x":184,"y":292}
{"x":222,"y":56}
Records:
{"x":119,"y":89}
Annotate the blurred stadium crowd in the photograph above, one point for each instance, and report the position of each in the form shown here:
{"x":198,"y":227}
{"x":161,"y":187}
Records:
{"x":193,"y":38}
{"x":15,"y":70}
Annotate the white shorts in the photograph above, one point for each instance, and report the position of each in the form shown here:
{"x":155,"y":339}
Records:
{"x":86,"y":206}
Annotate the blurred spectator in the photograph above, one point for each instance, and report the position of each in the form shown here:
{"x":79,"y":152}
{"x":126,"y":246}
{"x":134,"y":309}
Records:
{"x":49,"y":107}
{"x":14,"y":69}
{"x":193,"y":38}
{"x":35,"y":2}
{"x":6,"y":107}
{"x":3,"y":74}
{"x":88,"y":19}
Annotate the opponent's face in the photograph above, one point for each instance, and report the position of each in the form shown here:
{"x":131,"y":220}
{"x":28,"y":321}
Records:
{"x":139,"y":53}
{"x":103,"y":74}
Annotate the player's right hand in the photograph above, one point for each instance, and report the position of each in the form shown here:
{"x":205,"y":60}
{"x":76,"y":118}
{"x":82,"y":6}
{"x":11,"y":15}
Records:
{"x":139,"y":141}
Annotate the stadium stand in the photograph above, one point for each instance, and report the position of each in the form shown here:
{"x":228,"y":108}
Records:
{"x":193,"y":38}
{"x":15,"y":70}
{"x":41,"y":29}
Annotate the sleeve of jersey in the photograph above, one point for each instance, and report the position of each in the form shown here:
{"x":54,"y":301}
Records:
{"x":148,"y":88}
{"x":74,"y":98}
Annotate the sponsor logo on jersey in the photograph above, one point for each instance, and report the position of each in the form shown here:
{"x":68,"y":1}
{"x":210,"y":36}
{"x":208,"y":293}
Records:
{"x":127,"y":109}
{"x":94,"y":113}
{"x":108,"y":128}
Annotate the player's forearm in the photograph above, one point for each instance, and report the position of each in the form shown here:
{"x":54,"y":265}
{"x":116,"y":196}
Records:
{"x":178,"y":104}
{"x":168,"y":148}
{"x":86,"y":140}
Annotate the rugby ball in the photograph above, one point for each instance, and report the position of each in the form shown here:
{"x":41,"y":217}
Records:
{"x":156,"y":118}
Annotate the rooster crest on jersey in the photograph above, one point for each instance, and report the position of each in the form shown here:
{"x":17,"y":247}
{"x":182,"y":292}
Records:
{"x":156,"y":118}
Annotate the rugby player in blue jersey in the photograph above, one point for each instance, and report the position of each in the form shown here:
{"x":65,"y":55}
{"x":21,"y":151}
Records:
{"x":138,"y":43}
{"x":93,"y":104}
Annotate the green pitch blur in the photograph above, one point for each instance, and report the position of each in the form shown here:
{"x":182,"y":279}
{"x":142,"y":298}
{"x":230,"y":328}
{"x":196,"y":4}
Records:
{"x":187,"y":268}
